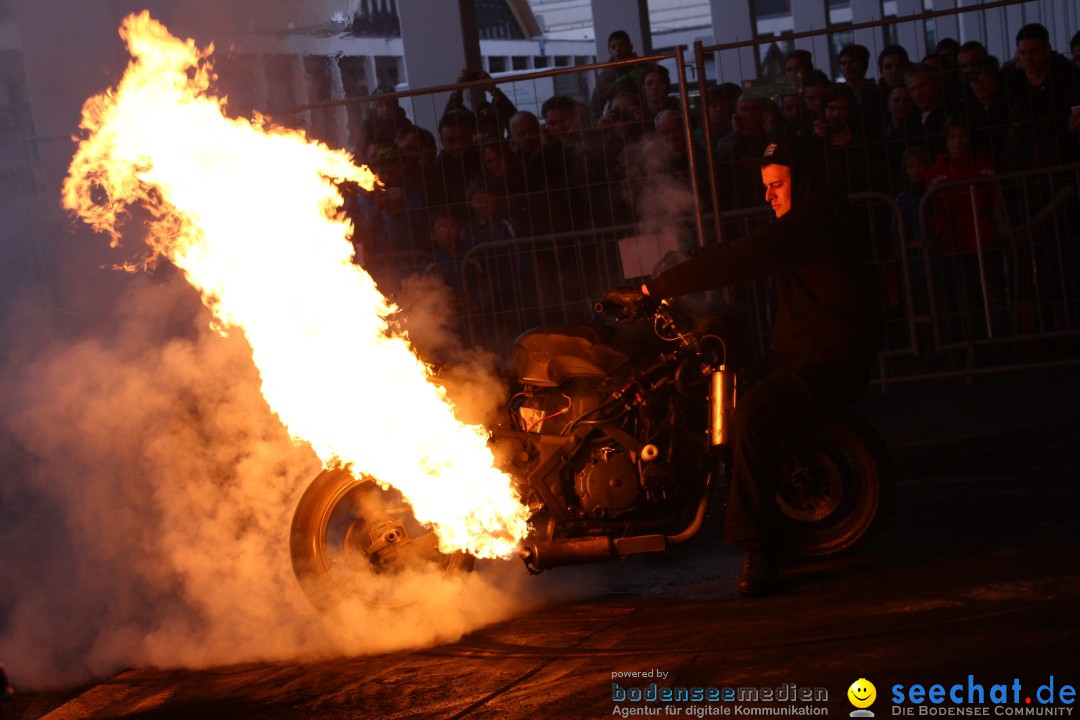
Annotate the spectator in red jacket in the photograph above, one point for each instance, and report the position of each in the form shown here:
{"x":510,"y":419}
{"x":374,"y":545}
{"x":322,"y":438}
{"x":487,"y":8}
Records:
{"x":968,"y":220}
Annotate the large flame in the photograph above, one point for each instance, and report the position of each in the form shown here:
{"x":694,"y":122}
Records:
{"x":247,"y":213}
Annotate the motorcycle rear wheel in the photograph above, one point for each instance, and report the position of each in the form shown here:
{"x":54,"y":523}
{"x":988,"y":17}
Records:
{"x":347,"y":533}
{"x":836,"y":488}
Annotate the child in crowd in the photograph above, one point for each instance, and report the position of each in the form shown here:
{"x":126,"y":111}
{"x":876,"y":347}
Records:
{"x":966,"y":220}
{"x":499,"y":272}
{"x":448,"y":249}
{"x":489,"y":221}
{"x":908,"y":241}
{"x":910,"y":249}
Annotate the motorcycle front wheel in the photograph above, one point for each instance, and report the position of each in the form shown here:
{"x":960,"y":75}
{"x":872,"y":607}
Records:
{"x":354,"y":542}
{"x":836,"y":487}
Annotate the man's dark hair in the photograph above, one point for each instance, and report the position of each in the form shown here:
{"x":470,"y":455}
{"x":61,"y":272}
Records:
{"x":838,"y":92}
{"x":630,"y":91}
{"x":897,"y":50}
{"x":988,"y":64}
{"x":860,"y":52}
{"x":619,"y":35}
{"x":914,"y":71}
{"x":659,"y":70}
{"x":948,"y":44}
{"x":931,"y":57}
{"x":1033,"y":31}
{"x":423,"y":135}
{"x":560,"y":102}
{"x":726,"y":93}
{"x":802,"y":56}
{"x":481,"y":184}
{"x":1075,"y":40}
{"x":915,"y":151}
{"x":958,"y":120}
{"x":817,"y":77}
{"x":458,"y":117}
{"x":452,"y":212}
{"x":974,"y":45}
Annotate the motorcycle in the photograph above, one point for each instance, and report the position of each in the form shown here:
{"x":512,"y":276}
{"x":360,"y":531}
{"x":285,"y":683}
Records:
{"x":618,"y":440}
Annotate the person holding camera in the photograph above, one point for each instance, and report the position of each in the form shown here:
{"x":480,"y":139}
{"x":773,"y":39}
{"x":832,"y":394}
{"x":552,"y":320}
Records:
{"x":492,"y":118}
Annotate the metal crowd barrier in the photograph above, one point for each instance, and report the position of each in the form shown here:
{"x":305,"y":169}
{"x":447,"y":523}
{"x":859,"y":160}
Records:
{"x":510,"y":286}
{"x":1015,"y":293}
{"x":935,"y":328}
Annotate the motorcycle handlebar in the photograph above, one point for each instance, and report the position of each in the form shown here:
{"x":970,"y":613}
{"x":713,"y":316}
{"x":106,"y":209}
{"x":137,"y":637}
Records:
{"x":607,"y":307}
{"x":624,"y":304}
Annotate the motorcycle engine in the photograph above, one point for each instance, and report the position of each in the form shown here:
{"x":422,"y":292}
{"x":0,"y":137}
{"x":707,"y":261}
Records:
{"x":609,"y":483}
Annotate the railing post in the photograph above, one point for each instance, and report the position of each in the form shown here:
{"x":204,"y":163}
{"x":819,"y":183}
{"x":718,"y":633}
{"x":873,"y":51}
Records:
{"x":931,"y":294}
{"x":699,"y":59}
{"x":684,"y":96}
{"x":982,"y":264}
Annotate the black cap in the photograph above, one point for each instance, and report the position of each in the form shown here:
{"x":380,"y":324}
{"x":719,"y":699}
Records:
{"x":776,"y":154}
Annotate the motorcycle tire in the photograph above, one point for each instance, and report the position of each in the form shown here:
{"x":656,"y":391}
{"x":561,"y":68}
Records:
{"x":836,"y":488}
{"x":345,"y":529}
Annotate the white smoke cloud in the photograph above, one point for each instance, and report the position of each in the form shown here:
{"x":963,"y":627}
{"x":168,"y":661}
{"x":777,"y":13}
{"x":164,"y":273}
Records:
{"x":145,"y":509}
{"x":663,"y":199}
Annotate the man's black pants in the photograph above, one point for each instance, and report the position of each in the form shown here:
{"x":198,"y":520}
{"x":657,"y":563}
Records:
{"x":775,"y":409}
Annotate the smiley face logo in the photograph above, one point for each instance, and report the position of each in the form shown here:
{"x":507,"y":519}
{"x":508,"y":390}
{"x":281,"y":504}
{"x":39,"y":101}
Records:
{"x":862,"y":693}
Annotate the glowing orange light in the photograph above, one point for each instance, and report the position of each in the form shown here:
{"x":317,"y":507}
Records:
{"x":246,"y":212}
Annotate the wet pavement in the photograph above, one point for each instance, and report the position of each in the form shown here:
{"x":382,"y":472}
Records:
{"x":977,"y":574}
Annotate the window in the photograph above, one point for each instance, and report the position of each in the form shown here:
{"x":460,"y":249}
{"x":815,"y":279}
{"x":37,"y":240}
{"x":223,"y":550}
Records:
{"x":280,"y":82}
{"x":931,"y":27}
{"x":837,"y":41}
{"x":238,"y":78}
{"x":354,"y":82}
{"x":317,"y":82}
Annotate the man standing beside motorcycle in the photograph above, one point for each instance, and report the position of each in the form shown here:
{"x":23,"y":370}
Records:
{"x":825,"y":338}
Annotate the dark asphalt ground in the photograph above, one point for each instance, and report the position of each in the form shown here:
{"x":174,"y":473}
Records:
{"x":977,"y":574}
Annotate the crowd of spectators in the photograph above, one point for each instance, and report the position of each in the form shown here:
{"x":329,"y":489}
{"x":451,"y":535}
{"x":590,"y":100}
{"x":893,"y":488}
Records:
{"x":491,"y":173}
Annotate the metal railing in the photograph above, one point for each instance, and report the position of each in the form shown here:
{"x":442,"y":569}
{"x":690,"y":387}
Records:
{"x":1030,"y":265}
{"x":542,"y":276}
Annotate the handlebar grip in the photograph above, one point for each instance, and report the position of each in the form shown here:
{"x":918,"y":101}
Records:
{"x":609,"y":308}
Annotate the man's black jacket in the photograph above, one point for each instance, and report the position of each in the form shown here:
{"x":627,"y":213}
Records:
{"x":829,"y":303}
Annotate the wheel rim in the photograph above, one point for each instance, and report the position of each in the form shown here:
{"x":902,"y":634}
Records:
{"x":366,"y":539}
{"x":812,"y":489}
{"x":829,"y":493}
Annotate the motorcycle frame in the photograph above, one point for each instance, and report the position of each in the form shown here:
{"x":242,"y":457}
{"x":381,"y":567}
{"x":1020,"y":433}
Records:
{"x":556,"y":452}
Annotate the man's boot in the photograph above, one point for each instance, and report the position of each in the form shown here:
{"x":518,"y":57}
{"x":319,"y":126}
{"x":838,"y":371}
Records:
{"x":758,"y":575}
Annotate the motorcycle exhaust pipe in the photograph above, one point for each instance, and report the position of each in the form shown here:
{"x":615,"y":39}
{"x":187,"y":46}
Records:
{"x":579,"y":551}
{"x":575,"y":551}
{"x":721,"y":405}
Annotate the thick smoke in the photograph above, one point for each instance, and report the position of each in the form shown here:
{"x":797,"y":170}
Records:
{"x":663,"y":197}
{"x":469,"y":374}
{"x":146,"y":503}
{"x":146,"y":489}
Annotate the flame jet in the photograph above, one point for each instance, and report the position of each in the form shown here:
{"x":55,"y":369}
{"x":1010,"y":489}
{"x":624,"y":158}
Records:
{"x":247,"y":213}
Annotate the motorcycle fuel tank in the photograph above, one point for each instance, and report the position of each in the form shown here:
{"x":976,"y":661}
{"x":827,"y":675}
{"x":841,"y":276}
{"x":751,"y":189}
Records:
{"x":547,"y":356}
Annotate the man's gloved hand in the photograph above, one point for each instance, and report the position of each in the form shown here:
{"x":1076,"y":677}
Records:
{"x":626,"y":303}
